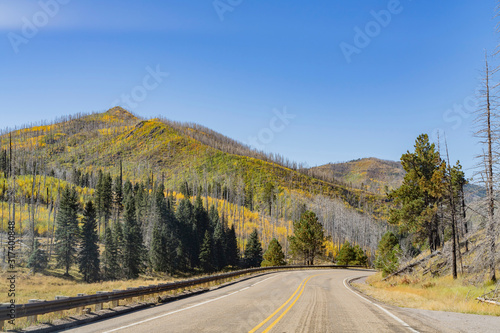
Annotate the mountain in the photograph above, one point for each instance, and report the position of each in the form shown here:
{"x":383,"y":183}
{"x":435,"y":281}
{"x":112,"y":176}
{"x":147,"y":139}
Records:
{"x":249,"y":187}
{"x":370,"y":174}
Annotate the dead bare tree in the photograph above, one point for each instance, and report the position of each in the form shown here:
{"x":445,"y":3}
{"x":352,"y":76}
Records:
{"x":487,"y":132}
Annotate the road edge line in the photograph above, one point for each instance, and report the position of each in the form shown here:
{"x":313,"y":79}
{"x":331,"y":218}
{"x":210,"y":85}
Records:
{"x":393,"y":316}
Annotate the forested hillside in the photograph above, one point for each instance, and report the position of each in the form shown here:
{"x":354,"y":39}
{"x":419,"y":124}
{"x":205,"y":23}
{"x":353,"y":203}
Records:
{"x":249,"y":189}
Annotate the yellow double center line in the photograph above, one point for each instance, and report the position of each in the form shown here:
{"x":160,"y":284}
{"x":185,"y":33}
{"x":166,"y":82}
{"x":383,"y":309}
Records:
{"x":303,"y":285}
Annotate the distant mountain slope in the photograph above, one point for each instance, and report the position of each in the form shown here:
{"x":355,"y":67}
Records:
{"x":371,"y":174}
{"x":175,"y":152}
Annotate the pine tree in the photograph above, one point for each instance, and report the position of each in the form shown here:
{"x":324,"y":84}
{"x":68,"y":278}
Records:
{"x":418,"y":198}
{"x":388,"y":249}
{"x":220,"y":245}
{"x":111,"y":268}
{"x":118,"y":197}
{"x":206,"y":253}
{"x":360,"y":257}
{"x":213,"y":215}
{"x":88,"y":257}
{"x":232,"y":252}
{"x":308,"y":237}
{"x":119,"y":245}
{"x":346,"y":254}
{"x":274,"y":255}
{"x":253,"y":250}
{"x":38,"y":258}
{"x":163,"y":244}
{"x":133,"y":248}
{"x":67,"y":230}
{"x":201,"y":218}
{"x":188,"y":249}
{"x":106,"y":198}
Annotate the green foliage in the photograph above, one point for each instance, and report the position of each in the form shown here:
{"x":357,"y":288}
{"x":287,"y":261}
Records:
{"x":274,"y":255}
{"x":37,"y":260}
{"x":111,"y":267}
{"x":88,"y":256}
{"x":164,"y":244}
{"x":418,"y":197}
{"x":346,"y":254}
{"x":67,"y":232}
{"x":133,"y":248}
{"x":387,"y":254}
{"x":188,"y":250}
{"x":232,"y":252}
{"x":206,"y":253}
{"x":253,"y":250}
{"x":307,"y":241}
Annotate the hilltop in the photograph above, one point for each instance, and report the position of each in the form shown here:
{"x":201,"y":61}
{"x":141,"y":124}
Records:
{"x":370,"y":174}
{"x":190,"y":157}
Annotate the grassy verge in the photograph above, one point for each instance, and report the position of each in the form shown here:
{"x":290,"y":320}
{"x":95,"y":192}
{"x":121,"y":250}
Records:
{"x":441,"y":293}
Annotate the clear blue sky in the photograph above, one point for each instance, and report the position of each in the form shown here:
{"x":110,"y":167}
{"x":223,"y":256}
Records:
{"x":229,"y":67}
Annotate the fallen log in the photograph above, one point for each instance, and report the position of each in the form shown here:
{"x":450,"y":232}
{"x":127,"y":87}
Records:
{"x":487,"y":301}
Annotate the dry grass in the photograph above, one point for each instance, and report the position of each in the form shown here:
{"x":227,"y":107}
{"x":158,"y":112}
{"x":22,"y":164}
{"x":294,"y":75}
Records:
{"x":51,"y":284}
{"x":441,"y":293}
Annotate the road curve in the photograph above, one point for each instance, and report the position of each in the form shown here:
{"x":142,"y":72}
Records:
{"x":291,"y":301}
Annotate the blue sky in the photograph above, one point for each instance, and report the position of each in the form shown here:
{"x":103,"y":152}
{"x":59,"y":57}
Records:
{"x":234,"y":64}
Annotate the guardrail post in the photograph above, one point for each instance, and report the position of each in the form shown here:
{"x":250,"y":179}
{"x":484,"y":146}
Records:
{"x":60,"y":313}
{"x":154,"y":295}
{"x":141,"y":298}
{"x":115,"y":303}
{"x":32,"y":319}
{"x":130,"y":299}
{"x":81,"y":308}
{"x":98,"y":306}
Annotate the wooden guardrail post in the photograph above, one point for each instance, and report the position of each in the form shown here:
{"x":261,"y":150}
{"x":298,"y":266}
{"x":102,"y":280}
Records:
{"x":141,"y":298}
{"x":130,"y":299}
{"x":98,"y":306}
{"x":154,"y":295}
{"x":115,"y":303}
{"x":81,"y":308}
{"x":32,"y":319}
{"x":60,"y":313}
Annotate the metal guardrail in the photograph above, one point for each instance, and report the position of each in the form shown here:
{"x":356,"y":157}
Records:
{"x":39,"y":308}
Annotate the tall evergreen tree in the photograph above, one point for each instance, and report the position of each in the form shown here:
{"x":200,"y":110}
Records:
{"x":232,"y":252}
{"x":189,"y":249}
{"x":38,"y":258}
{"x":106,"y":198}
{"x":133,"y":247}
{"x":111,"y":267}
{"x":274,"y":255}
{"x":88,"y":257}
{"x":67,"y":232}
{"x":308,"y":237}
{"x":419,"y":197}
{"x":118,"y":197}
{"x":220,"y":245}
{"x":213,"y":215}
{"x":253,"y":250}
{"x":119,"y":245}
{"x":206,"y":257}
{"x":163,"y":245}
{"x":201,"y":218}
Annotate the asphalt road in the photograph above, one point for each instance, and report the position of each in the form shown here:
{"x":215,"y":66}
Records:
{"x":294,"y":301}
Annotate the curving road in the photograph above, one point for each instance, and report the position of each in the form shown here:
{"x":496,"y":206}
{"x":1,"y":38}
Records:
{"x":295,"y":301}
